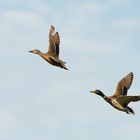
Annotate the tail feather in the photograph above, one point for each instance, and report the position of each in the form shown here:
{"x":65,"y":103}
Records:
{"x":130,"y":110}
{"x":58,"y":62}
{"x":63,"y":65}
{"x":65,"y":68}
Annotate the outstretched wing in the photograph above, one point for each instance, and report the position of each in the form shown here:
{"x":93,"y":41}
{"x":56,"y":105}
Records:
{"x":124,"y":84}
{"x":125,"y":100}
{"x":54,"y":41}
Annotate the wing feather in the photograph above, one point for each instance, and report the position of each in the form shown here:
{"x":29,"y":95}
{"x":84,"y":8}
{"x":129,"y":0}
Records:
{"x":124,"y":84}
{"x":125,"y":100}
{"x":54,"y":41}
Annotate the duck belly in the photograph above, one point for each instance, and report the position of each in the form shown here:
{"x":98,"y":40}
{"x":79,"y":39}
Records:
{"x":118,"y":106}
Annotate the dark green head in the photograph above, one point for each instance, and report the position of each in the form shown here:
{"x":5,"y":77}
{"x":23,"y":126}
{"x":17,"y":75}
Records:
{"x":98,"y":92}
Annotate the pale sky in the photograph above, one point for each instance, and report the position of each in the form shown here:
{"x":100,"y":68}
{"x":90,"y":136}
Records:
{"x":99,"y":42}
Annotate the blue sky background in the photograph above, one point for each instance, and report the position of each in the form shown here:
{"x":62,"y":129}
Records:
{"x":99,"y":42}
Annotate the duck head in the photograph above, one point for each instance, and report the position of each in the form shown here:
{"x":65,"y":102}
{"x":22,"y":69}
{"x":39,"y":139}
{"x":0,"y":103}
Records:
{"x":35,"y":51}
{"x":98,"y":92}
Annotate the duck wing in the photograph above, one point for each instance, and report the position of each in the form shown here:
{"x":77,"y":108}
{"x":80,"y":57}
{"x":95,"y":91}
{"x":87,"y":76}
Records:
{"x":124,"y":84}
{"x":54,"y":41}
{"x":125,"y":100}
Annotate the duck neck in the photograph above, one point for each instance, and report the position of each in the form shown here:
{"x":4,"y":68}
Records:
{"x":41,"y":54}
{"x":102,"y":95}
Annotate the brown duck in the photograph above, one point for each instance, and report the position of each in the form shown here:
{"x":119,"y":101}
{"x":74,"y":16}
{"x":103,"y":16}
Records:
{"x":120,"y":100}
{"x":52,"y":56}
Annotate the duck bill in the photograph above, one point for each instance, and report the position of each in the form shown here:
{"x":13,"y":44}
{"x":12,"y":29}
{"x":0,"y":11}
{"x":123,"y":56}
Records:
{"x":30,"y":51}
{"x":92,"y":91}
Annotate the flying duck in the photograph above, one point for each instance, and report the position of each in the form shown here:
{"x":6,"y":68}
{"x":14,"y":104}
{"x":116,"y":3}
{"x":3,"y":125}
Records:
{"x":120,"y":100}
{"x":52,"y":56}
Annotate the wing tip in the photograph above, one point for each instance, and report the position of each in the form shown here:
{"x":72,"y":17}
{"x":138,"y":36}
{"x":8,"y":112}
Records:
{"x":52,"y":26}
{"x":131,"y":73}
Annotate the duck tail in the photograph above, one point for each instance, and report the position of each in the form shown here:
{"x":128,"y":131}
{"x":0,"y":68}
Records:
{"x":65,"y":68}
{"x":63,"y":65}
{"x":130,"y":110}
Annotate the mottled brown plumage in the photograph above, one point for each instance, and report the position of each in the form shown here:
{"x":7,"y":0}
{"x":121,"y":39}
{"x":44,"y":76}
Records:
{"x":124,"y":84}
{"x":120,"y":100}
{"x":52,"y":56}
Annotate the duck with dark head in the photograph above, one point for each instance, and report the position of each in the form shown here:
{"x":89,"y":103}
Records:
{"x":120,"y":100}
